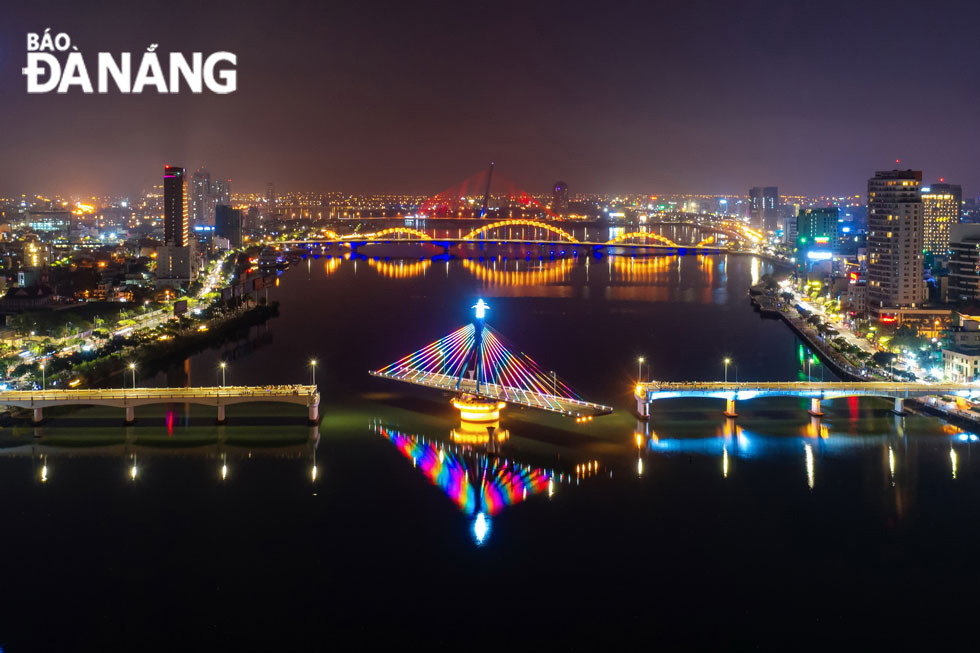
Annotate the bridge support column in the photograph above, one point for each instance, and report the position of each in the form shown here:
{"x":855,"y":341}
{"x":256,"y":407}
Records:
{"x":38,"y":416}
{"x":130,"y":415}
{"x":730,"y":409}
{"x":899,"y":406}
{"x":314,"y":414}
{"x":221,"y":414}
{"x":815,"y":408}
{"x":642,"y":408}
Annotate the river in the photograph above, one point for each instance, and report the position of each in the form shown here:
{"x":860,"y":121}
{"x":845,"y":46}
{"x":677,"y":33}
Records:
{"x":177,"y":533}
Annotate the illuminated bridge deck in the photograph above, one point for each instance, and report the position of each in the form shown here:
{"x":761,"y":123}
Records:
{"x":510,"y":395}
{"x":130,"y":398}
{"x":813,"y":390}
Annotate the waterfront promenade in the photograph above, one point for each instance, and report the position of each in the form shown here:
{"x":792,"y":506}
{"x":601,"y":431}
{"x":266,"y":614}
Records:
{"x":130,"y":398}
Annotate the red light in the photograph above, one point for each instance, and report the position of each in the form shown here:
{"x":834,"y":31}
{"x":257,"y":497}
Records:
{"x":942,"y":179}
{"x":898,"y":160}
{"x":887,"y":319}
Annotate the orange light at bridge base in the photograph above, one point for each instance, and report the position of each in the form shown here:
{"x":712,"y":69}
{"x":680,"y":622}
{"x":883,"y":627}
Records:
{"x":474,"y":409}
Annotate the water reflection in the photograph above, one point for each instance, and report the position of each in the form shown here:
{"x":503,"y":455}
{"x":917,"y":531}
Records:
{"x":51,"y":453}
{"x":481,"y":484}
{"x":898,"y":454}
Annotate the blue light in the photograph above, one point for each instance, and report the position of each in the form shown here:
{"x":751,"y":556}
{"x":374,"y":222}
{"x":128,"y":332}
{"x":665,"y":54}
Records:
{"x":481,"y":528}
{"x":481,"y":308}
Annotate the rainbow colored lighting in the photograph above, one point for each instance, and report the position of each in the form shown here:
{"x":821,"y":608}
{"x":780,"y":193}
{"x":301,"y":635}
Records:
{"x":516,"y":375}
{"x":486,"y":485}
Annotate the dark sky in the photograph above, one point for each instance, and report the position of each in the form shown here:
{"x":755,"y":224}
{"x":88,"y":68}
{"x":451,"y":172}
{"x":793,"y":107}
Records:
{"x":416,"y":96}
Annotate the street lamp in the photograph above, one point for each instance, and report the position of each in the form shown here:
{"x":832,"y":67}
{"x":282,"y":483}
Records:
{"x":727,"y":361}
{"x":639,"y":368}
{"x":313,"y":370}
{"x":223,"y":374}
{"x":42,"y":375}
{"x":132,"y":366}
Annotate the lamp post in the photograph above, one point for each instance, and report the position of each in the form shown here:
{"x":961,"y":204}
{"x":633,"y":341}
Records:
{"x":42,"y":375}
{"x":639,"y":368}
{"x":313,"y":370}
{"x":223,"y":365}
{"x":727,"y":361}
{"x":132,"y":366}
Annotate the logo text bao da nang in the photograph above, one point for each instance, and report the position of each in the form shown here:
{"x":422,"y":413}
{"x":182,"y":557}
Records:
{"x":54,"y":64}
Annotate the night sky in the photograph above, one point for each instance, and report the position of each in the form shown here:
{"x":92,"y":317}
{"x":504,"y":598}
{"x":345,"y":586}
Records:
{"x":416,"y":96}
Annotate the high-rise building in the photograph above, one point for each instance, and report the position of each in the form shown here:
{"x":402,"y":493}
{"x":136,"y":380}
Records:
{"x":816,"y":232}
{"x":201,"y":202}
{"x":940,"y":210}
{"x":895,"y":233}
{"x":175,"y":228}
{"x":764,"y":207}
{"x":559,"y":197}
{"x":964,"y":262}
{"x":228,"y":224}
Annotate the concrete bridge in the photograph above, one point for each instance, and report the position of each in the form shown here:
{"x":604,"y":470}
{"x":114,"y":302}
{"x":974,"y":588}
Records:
{"x":647,"y":393}
{"x":130,"y":398}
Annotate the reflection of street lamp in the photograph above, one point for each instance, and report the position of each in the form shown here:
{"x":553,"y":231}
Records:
{"x":727,"y":361}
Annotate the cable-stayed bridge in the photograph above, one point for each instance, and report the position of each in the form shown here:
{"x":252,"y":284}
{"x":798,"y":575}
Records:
{"x":477,"y":360}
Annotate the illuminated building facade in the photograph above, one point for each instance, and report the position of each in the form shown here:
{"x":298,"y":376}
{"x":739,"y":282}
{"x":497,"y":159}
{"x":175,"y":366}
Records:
{"x":816,"y":234}
{"x":940,"y":210}
{"x":175,"y":227}
{"x":964,"y":262}
{"x":895,"y":233}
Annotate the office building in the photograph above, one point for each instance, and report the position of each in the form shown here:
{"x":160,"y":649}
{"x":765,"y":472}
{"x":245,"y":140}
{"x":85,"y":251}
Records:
{"x":895,"y":233}
{"x":175,"y":227}
{"x":176,"y":259}
{"x":816,"y":231}
{"x":228,"y":224}
{"x":940,"y":210}
{"x":764,"y":207}
{"x":201,"y":204}
{"x":964,"y":262}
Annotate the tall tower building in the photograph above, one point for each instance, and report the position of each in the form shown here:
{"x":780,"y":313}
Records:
{"x":764,"y":207}
{"x":559,"y":197}
{"x":175,"y":228}
{"x":201,"y":202}
{"x":895,"y":234}
{"x":940,"y":209}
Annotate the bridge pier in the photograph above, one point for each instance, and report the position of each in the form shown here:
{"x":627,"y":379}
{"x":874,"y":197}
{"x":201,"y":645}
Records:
{"x":815,"y":407}
{"x":130,"y":415}
{"x":314,"y":414}
{"x":899,"y":406}
{"x":642,"y":408}
{"x":730,"y":409}
{"x":38,"y":416}
{"x":221,"y":414}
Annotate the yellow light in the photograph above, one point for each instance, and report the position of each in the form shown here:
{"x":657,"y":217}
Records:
{"x":639,"y":389}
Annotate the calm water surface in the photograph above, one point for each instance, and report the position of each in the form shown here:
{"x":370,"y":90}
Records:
{"x":176,"y":533}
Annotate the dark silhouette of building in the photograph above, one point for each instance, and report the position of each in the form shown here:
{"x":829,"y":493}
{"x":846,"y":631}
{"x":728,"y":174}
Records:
{"x":228,"y":224}
{"x":764,"y":207}
{"x":559,"y":197}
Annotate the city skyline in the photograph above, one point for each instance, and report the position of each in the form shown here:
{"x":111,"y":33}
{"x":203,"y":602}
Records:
{"x":667,"y":100}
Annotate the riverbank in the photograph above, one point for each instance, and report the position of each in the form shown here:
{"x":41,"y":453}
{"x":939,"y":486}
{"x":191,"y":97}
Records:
{"x":834,"y":360}
{"x":155,"y":356}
